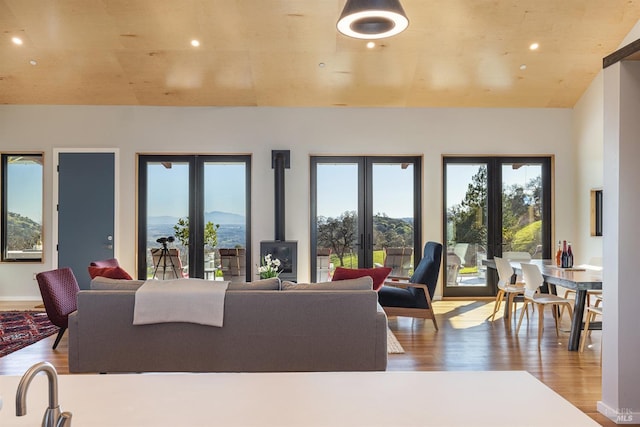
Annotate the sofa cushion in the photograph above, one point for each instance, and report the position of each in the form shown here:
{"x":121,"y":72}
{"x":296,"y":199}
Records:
{"x":106,"y":284}
{"x":378,"y":274}
{"x":110,"y":272}
{"x":359,"y":284}
{"x":272,"y":284}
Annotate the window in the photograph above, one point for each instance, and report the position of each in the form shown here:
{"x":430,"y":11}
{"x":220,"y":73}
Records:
{"x":195,"y":210}
{"x":364,"y":212}
{"x":22,"y":207}
{"x":493,"y":205}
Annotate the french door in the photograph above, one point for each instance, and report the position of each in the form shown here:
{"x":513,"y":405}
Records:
{"x":198,"y":208}
{"x":361,"y":207}
{"x":493,"y":205}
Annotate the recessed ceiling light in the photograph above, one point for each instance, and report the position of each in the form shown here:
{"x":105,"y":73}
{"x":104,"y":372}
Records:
{"x":16,"y":40}
{"x":534,"y":46}
{"x":321,"y":65}
{"x":195,"y":43}
{"x":33,"y":62}
{"x":371,"y":45}
{"x":523,"y":66}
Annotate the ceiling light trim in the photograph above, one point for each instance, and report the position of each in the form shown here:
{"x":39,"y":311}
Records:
{"x":372,"y":19}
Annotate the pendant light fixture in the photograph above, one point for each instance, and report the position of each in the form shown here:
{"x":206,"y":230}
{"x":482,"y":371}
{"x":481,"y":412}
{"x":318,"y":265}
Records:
{"x":372,"y":19}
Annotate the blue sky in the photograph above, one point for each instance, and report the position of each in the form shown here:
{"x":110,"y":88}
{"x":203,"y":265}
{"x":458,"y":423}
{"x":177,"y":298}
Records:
{"x":338,"y":189}
{"x":459,"y":176}
{"x":169,"y":189}
{"x":25,"y":195}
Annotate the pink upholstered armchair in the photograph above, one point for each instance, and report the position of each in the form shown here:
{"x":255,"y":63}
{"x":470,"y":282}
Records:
{"x":59,"y":290}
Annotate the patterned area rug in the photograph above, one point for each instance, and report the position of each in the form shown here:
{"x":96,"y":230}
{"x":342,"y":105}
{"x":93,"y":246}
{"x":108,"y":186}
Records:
{"x":393,"y":346}
{"x":19,"y":329}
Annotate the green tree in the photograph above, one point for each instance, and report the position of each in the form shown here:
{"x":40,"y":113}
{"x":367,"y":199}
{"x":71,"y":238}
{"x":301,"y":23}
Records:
{"x":521,"y":213}
{"x":22,"y":232}
{"x":469,"y":217}
{"x":338,"y":234}
{"x":391,"y":232}
{"x":181,"y":232}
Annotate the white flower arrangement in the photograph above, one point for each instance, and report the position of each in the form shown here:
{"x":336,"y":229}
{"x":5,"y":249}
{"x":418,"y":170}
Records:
{"x":270,"y":267}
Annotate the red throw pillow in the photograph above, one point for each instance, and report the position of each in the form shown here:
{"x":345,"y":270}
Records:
{"x":109,"y":272}
{"x":378,"y":274}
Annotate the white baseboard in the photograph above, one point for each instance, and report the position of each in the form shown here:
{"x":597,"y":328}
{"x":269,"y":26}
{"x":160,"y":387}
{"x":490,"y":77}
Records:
{"x":619,"y":415}
{"x":21,"y":299}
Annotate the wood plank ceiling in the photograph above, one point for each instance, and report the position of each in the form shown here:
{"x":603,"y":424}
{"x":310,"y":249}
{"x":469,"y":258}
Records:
{"x":456,"y":53}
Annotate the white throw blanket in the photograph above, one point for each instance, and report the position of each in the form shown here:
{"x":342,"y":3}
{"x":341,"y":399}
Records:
{"x":181,"y":300}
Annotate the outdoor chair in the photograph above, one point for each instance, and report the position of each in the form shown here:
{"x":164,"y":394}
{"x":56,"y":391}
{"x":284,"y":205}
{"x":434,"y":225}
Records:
{"x":399,"y":260}
{"x":517,"y":256}
{"x":411,"y":297}
{"x":59,"y":290}
{"x":167,"y":264}
{"x":453,"y":269}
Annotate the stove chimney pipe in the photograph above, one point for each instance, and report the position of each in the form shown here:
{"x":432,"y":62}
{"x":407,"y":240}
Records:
{"x":280,"y":160}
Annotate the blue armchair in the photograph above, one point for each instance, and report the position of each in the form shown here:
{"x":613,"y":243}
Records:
{"x":412,"y":298}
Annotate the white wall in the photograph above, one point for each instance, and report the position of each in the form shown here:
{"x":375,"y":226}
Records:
{"x":305,"y":131}
{"x":587,"y":129}
{"x":588,"y":138}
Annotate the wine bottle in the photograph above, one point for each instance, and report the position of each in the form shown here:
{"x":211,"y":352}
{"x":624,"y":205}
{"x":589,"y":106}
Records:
{"x":569,"y":256}
{"x":559,"y":254}
{"x":564,"y":257}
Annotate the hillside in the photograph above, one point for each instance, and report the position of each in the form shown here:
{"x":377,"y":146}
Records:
{"x":22,"y":232}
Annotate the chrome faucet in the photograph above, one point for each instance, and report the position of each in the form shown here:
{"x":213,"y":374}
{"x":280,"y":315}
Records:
{"x":53,"y":417}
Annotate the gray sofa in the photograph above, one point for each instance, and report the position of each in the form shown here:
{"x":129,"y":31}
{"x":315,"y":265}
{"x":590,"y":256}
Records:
{"x":326,"y":327}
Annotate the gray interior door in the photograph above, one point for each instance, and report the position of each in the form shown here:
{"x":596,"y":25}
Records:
{"x":85,"y":211}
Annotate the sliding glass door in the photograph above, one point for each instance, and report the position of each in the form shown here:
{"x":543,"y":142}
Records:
{"x":193,"y":217}
{"x":493,"y":205}
{"x":362,"y":209}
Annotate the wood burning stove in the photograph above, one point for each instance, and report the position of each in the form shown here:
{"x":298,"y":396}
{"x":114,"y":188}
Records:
{"x":284,"y":250}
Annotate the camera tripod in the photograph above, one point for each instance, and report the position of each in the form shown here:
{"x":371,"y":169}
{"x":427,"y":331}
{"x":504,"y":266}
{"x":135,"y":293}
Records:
{"x":167,"y":262}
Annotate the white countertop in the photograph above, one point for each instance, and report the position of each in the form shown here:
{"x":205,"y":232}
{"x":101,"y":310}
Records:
{"x":298,"y":399}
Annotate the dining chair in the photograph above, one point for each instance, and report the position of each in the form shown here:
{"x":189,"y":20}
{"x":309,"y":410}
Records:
{"x":505,"y":287}
{"x":594,"y":264}
{"x":533,"y":280}
{"x":592,"y":311}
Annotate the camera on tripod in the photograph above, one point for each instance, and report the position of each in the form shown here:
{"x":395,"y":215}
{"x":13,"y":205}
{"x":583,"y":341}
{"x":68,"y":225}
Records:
{"x":165,"y":261}
{"x":165,"y":240}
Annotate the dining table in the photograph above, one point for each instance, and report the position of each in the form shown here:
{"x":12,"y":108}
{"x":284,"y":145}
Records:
{"x":581,"y":279}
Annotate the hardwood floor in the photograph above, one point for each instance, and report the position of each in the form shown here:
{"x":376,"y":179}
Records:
{"x":466,"y":341}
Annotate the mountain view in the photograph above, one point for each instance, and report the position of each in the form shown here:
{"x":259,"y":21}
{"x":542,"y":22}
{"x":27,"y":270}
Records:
{"x":22,"y":232}
{"x":230,"y":234}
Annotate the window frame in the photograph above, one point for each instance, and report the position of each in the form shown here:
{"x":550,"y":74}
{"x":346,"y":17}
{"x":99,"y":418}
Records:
{"x":196,"y":164}
{"x":494,"y":211}
{"x":365,"y":165}
{"x":4,"y":212}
